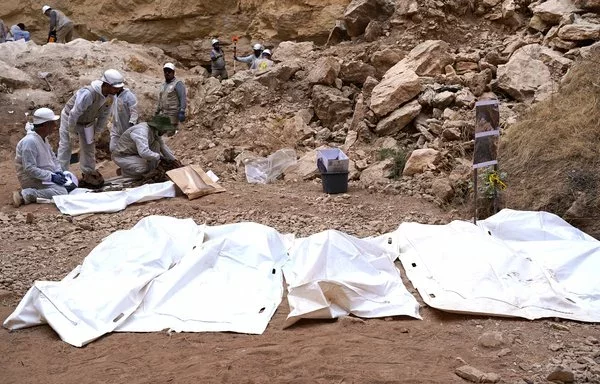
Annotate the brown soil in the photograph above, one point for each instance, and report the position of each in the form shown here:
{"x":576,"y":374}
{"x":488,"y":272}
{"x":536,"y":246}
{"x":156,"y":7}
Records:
{"x":349,"y":350}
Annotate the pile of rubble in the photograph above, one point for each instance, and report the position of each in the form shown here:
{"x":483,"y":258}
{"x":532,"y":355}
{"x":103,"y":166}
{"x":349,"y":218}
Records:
{"x":398,"y":105}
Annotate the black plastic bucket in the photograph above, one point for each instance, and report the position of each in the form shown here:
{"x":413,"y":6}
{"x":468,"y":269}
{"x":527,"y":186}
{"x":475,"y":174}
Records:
{"x":334,"y":182}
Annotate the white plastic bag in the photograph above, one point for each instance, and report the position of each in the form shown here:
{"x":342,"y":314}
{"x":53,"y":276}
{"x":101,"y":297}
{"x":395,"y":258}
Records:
{"x":265,"y":170}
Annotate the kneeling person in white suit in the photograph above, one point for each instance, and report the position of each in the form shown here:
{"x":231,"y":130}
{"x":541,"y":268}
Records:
{"x":141,"y":147}
{"x":38,"y":170}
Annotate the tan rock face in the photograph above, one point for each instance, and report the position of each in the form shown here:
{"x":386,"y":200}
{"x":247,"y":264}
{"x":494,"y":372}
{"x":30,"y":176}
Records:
{"x":426,"y":59}
{"x":398,"y":119}
{"x":331,"y":107}
{"x":393,"y":91}
{"x":579,"y":31}
{"x":420,"y":160}
{"x":325,"y":71}
{"x":160,"y":22}
{"x":525,"y":75}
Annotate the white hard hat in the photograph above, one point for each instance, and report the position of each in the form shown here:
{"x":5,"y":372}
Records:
{"x":43,"y":115}
{"x":257,"y":47}
{"x":113,"y":77}
{"x":214,"y":41}
{"x":45,"y":8}
{"x":170,"y":66}
{"x":266,"y":52}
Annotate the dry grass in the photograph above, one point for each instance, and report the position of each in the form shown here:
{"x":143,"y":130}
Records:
{"x":553,"y":153}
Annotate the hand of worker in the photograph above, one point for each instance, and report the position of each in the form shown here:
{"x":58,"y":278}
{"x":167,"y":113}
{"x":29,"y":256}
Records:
{"x":181,"y":116}
{"x":58,"y":178}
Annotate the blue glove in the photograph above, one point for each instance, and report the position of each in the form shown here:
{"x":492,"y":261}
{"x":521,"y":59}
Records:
{"x":181,"y":116}
{"x":58,"y":178}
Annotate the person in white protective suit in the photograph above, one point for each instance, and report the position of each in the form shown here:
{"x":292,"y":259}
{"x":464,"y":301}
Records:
{"x":61,"y":27}
{"x":250,"y":59}
{"x":38,"y":170}
{"x":85,"y":115}
{"x":172,"y":100}
{"x":264,"y":63}
{"x":141,"y":147}
{"x":124,"y":115}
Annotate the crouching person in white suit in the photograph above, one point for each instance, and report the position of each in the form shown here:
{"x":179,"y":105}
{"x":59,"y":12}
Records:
{"x":141,"y":148}
{"x":38,"y":170}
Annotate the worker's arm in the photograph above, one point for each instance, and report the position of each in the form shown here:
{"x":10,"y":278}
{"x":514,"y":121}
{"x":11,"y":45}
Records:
{"x":53,"y":20}
{"x":165,"y":150}
{"x":180,"y":89}
{"x":83,"y":100}
{"x":131,"y":102}
{"x":244,"y":59}
{"x":30,"y":165}
{"x":140,"y":138}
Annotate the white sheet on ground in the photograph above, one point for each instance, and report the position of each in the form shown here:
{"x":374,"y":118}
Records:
{"x":523,"y":264}
{"x":231,"y":282}
{"x":99,"y":296}
{"x":113,"y":201}
{"x":332,"y":274}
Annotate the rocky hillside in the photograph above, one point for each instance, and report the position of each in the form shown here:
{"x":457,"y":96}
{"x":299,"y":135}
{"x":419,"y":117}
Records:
{"x":395,"y":85}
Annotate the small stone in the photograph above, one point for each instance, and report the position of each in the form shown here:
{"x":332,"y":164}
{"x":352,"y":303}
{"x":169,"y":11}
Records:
{"x":503,"y":352}
{"x":555,"y":347}
{"x":560,"y":374}
{"x":474,"y":375}
{"x":492,"y":339}
{"x":469,"y":373}
{"x":560,"y":327}
{"x":29,"y":218}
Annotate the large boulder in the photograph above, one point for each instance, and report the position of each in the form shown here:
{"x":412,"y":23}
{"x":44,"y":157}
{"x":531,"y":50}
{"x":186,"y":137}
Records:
{"x":552,"y":11}
{"x":588,"y":5}
{"x":427,"y":59}
{"x":525,"y":76}
{"x":331,"y":107}
{"x":359,"y":13}
{"x":356,"y":72}
{"x":324,"y":71}
{"x":384,"y":60}
{"x":338,"y":33}
{"x":13,"y":77}
{"x":398,"y":119}
{"x":394,"y":90}
{"x":579,"y":31}
{"x":420,"y":160}
{"x":289,"y":50}
{"x":377,"y":173}
{"x":305,"y":168}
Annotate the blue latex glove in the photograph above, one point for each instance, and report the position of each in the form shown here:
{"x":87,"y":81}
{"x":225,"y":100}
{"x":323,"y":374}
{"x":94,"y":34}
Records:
{"x":181,"y":116}
{"x":59,"y":179}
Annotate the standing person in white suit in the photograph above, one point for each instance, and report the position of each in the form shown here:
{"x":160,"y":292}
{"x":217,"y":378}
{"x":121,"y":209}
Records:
{"x":124,"y":115}
{"x":85,"y":115}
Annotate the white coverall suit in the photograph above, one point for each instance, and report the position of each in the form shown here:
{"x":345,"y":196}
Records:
{"x":35,"y":163}
{"x":88,"y":107}
{"x":139,"y":150}
{"x":124,"y":114}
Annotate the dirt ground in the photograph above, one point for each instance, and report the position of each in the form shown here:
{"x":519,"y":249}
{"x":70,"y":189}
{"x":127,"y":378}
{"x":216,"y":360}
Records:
{"x":349,"y":350}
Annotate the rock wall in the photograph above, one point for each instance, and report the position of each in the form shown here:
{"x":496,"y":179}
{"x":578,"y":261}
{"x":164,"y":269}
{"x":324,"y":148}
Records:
{"x":172,"y":22}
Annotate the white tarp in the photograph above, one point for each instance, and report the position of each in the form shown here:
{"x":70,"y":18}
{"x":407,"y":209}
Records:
{"x":99,"y":296}
{"x":523,"y":264}
{"x":231,"y":282}
{"x":332,"y":274}
{"x":113,"y":201}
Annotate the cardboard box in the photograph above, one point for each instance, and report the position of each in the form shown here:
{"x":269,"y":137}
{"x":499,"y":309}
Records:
{"x":333,"y":159}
